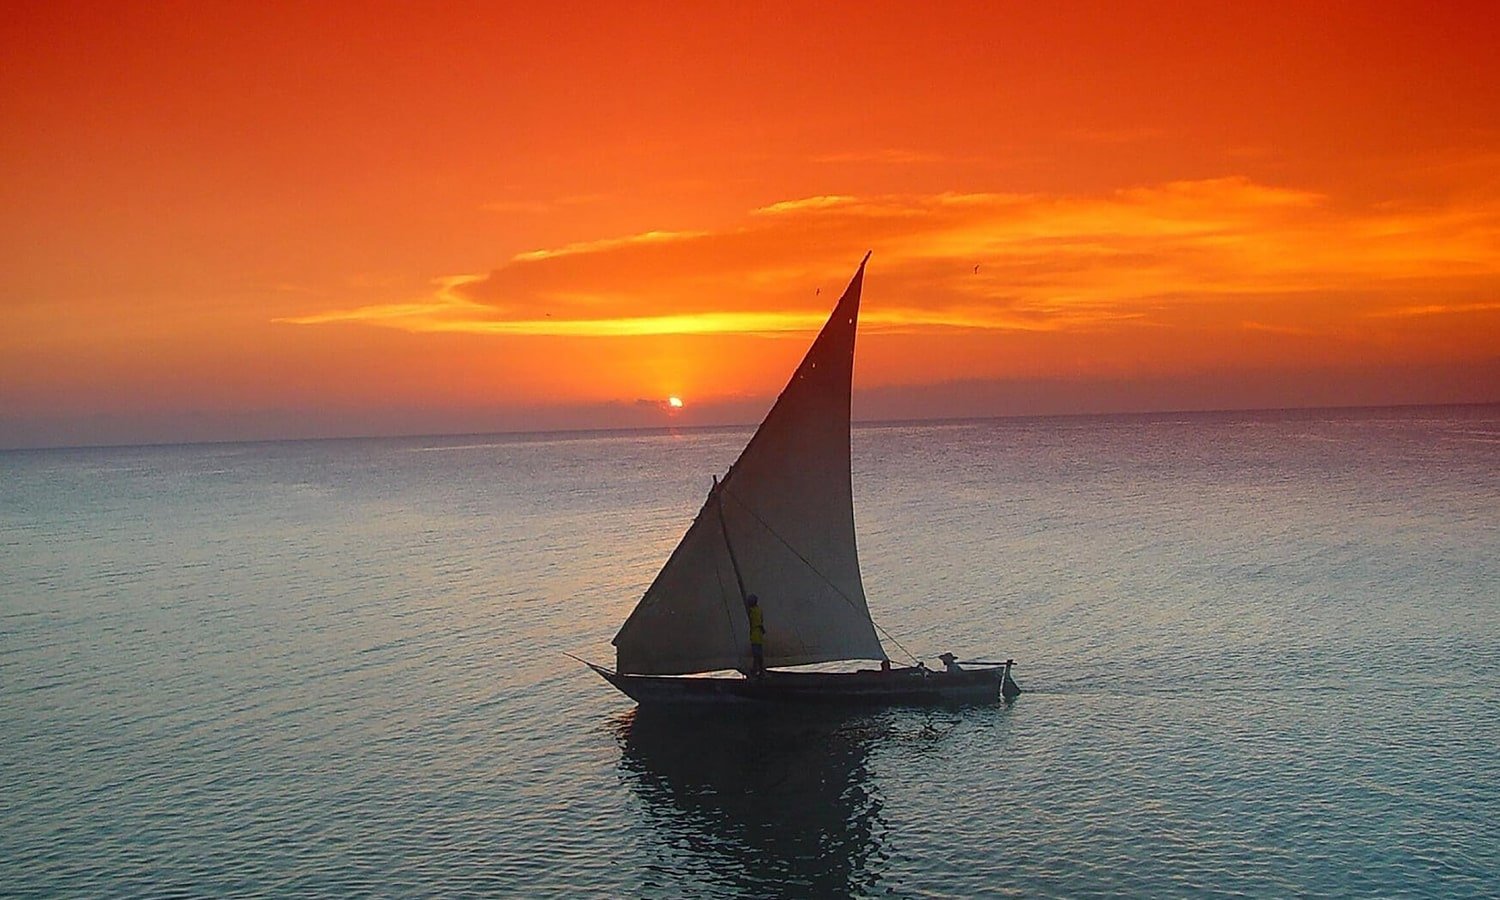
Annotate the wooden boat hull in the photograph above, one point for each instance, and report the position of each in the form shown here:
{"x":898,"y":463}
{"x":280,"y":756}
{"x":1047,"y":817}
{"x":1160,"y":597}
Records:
{"x":900,"y":687}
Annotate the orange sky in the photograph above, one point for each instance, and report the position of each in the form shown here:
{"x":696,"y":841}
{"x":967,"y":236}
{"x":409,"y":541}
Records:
{"x":264,"y":220}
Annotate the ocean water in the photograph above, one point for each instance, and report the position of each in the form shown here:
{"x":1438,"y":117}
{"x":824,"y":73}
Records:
{"x":1261,"y":654}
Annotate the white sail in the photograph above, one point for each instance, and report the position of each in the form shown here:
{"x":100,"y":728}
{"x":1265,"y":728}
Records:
{"x":785,"y":511}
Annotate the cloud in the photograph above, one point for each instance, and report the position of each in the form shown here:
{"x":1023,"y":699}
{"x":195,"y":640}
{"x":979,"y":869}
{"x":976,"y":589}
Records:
{"x":600,"y":246}
{"x":1435,"y":309}
{"x":806,"y":204}
{"x":443,"y":302}
{"x":981,"y":261}
{"x":1290,"y":330}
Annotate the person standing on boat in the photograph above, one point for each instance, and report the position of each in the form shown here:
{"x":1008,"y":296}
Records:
{"x":757,"y":635}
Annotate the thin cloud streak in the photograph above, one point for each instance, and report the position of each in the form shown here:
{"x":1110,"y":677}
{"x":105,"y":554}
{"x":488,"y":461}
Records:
{"x":806,"y":204}
{"x":435,"y":318}
{"x":1435,"y":309}
{"x":979,"y":261}
{"x":582,"y":247}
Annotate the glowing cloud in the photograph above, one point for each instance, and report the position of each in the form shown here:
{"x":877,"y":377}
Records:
{"x":977,"y":261}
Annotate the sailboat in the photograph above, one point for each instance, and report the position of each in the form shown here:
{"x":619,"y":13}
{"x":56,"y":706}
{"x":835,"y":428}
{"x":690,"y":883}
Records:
{"x":768,"y":577}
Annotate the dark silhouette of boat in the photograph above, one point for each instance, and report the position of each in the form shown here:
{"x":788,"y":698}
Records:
{"x":768,"y":574}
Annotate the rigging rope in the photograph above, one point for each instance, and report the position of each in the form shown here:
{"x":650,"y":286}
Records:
{"x":814,"y":569}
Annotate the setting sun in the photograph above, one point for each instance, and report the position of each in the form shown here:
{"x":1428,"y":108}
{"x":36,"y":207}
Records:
{"x":674,"y":402}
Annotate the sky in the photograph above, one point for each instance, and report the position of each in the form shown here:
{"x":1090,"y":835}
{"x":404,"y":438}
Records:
{"x":267,"y":220}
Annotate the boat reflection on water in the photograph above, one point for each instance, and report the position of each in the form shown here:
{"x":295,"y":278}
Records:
{"x":756,"y":802}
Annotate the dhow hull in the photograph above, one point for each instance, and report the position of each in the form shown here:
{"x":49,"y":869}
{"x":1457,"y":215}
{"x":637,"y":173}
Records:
{"x":900,"y":687}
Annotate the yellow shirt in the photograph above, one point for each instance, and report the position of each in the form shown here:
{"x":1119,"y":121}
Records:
{"x":757,"y":625}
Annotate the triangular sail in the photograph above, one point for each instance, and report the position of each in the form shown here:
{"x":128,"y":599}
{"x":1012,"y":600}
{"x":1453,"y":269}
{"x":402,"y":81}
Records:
{"x":787,"y":508}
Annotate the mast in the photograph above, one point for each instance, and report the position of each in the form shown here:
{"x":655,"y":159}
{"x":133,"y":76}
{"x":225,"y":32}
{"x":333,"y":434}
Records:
{"x":739,"y":579}
{"x":734,"y":563}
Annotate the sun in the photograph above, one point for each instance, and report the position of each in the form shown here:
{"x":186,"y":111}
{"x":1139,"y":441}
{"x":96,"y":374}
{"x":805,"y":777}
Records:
{"x":674,"y":402}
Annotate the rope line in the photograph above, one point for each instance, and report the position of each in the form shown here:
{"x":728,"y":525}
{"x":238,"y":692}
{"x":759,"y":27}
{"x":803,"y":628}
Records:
{"x":814,"y":569}
{"x":724,"y":595}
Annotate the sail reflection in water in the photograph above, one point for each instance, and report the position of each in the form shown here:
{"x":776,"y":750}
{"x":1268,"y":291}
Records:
{"x":756,"y":803}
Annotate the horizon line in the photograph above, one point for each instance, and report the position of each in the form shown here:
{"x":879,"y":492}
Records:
{"x":854,"y":423}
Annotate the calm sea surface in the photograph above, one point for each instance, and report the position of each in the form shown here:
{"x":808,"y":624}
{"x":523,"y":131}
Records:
{"x":1261,"y":650}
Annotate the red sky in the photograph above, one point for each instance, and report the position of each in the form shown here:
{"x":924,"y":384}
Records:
{"x":274,"y":220}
